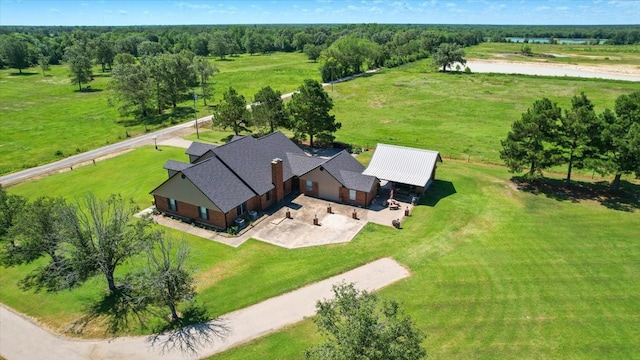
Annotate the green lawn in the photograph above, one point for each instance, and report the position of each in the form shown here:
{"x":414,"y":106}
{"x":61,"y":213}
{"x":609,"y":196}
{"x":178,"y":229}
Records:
{"x":456,"y":114}
{"x":44,"y":118}
{"x":496,"y":272}
{"x":610,"y":55}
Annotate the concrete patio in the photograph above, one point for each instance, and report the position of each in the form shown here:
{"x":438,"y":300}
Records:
{"x":275,"y":228}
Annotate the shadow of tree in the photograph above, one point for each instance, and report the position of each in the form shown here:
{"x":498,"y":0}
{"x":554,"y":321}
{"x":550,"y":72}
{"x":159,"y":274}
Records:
{"x":117,"y":309}
{"x":190,"y":333}
{"x":23,"y":73}
{"x":123,"y":309}
{"x":625,"y":199}
{"x":87,"y":89}
{"x":179,"y":114}
{"x":439,"y":190}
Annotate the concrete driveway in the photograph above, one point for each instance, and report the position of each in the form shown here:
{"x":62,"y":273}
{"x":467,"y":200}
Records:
{"x":21,"y":338}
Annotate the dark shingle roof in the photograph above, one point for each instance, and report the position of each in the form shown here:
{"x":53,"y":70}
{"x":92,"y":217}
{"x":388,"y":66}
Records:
{"x":175,"y":165}
{"x":218,"y":183}
{"x":302,"y":164}
{"x":198,"y":149}
{"x":348,"y":171}
{"x":250,"y":158}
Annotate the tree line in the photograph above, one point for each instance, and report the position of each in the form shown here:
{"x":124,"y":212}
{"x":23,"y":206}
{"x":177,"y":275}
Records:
{"x":306,"y":114}
{"x":95,"y":237}
{"x":386,"y":45}
{"x":546,"y":136}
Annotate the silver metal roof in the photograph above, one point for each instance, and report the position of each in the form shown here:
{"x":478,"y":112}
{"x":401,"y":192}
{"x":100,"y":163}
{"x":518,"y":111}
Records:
{"x":402,"y":164}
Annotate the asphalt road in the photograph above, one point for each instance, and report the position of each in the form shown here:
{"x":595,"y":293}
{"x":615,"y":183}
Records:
{"x":146,"y":139}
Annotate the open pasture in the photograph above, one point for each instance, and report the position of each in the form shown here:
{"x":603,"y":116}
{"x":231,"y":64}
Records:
{"x":496,"y":272}
{"x":44,"y":118}
{"x":460,"y":115}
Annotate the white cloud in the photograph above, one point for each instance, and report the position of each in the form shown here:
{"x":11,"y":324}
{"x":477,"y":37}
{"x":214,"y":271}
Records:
{"x":123,"y":12}
{"x":543,"y":8}
{"x":562,"y":8}
{"x":55,"y":11}
{"x":186,"y":5}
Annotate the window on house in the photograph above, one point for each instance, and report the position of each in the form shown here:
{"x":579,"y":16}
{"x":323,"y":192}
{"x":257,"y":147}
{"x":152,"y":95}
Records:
{"x":269,"y":195}
{"x":173,"y":204}
{"x":309,"y":186}
{"x":242,"y":208}
{"x":203,"y":213}
{"x":352,"y":195}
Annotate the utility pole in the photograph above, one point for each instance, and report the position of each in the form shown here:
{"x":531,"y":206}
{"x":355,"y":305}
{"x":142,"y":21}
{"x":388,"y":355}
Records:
{"x":195,"y":113}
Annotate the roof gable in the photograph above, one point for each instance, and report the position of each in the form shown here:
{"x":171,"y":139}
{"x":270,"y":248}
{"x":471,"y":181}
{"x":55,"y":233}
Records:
{"x":218,"y":183}
{"x":403,"y":164}
{"x":198,"y":148}
{"x":251,"y":158}
{"x":348,"y":171}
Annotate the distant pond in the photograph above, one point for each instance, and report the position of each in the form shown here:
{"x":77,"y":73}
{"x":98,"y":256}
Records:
{"x":558,"y":40}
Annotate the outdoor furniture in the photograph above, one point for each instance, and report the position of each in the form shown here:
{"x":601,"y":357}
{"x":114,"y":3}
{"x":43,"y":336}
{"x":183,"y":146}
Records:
{"x":394,"y":205}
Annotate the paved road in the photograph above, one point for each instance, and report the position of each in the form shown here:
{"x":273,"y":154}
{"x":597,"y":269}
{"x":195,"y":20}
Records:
{"x":21,"y":338}
{"x":66,"y":163}
{"x":146,"y":139}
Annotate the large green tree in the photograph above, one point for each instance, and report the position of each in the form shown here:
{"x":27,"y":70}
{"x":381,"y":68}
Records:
{"x":357,"y":326}
{"x":529,"y":144}
{"x":15,"y":53}
{"x":166,"y":280}
{"x":103,"y":51}
{"x":578,"y":133}
{"x":132,"y":88}
{"x":232,"y":112}
{"x":268,"y":109}
{"x":621,"y":138}
{"x":448,"y":54}
{"x":350,"y":53}
{"x":79,"y":65}
{"x":105,"y":235}
{"x":11,"y":207}
{"x":205,"y":70}
{"x":309,"y":108}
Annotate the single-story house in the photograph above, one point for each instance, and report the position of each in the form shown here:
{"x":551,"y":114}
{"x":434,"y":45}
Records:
{"x":221,"y":183}
{"x":404,"y":165}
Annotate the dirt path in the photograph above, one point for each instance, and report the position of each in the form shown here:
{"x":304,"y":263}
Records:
{"x":21,"y":338}
{"x":627,"y":73}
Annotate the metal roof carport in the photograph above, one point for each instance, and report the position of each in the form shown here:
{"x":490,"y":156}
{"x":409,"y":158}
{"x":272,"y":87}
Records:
{"x":403,"y":165}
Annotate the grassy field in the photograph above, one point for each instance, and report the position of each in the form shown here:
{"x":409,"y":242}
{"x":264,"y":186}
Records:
{"x":456,"y":114}
{"x":496,"y":272}
{"x":609,"y":55}
{"x":44,"y":118}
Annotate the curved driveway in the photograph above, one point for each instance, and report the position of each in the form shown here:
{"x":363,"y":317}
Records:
{"x":21,"y":338}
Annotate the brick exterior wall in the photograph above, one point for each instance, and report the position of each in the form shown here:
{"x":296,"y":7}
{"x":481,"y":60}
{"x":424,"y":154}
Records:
{"x":191,"y":212}
{"x":287,"y":186}
{"x":277,"y":178}
{"x":362,"y":198}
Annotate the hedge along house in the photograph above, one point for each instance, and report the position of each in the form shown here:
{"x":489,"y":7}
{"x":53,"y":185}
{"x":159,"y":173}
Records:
{"x":221,"y":183}
{"x":404,"y":166}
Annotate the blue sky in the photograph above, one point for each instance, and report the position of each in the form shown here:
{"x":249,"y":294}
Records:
{"x":168,"y":12}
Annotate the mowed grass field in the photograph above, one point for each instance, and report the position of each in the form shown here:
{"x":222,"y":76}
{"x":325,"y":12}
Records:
{"x":496,"y":272}
{"x":456,"y":114}
{"x":42,"y":117}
